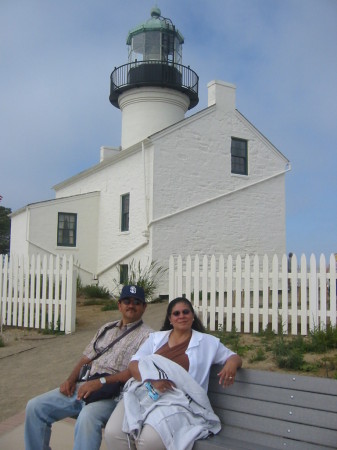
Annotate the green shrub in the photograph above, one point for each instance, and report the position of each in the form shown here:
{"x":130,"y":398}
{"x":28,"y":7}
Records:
{"x":110,"y":305}
{"x":2,"y":342}
{"x":323,"y":340}
{"x":258,"y":356}
{"x":93,"y":291}
{"x":146,"y":277}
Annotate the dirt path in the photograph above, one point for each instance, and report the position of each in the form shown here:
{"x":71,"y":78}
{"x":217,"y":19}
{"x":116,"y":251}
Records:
{"x":32,"y":363}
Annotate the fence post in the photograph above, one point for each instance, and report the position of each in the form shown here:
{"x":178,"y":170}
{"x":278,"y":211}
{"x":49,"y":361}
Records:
{"x":333,"y":282}
{"x":322,"y":292}
{"x":304,"y":296}
{"x":246,"y":301}
{"x":70,"y":312}
{"x":313,"y":300}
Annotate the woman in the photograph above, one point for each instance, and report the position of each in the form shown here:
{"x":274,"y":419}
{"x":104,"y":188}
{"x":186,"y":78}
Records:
{"x":165,"y":405}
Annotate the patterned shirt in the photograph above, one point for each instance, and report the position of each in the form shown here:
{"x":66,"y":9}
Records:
{"x":117,"y":358}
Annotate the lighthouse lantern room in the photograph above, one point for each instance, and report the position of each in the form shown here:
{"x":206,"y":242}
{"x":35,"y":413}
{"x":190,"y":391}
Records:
{"x":154,"y":89}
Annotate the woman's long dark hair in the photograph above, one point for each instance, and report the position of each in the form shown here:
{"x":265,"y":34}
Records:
{"x":196,"y":325}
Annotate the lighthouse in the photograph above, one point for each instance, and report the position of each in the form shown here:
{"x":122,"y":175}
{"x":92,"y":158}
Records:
{"x":154,"y":89}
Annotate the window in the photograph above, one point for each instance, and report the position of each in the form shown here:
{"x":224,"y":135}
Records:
{"x":123,"y":273}
{"x":66,"y":229}
{"x":239,"y":156}
{"x":125,"y":200}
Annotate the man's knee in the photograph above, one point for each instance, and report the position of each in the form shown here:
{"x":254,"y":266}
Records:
{"x":33,"y":405}
{"x":87,"y":419}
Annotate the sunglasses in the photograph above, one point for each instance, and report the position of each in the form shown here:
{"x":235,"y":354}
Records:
{"x":133,"y":301}
{"x":185,"y":312}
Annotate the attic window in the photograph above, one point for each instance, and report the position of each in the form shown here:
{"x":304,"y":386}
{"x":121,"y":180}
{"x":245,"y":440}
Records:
{"x":66,"y":229}
{"x":239,"y":153}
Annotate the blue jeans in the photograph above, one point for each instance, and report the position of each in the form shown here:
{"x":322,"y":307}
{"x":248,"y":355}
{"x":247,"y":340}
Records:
{"x":43,"y":410}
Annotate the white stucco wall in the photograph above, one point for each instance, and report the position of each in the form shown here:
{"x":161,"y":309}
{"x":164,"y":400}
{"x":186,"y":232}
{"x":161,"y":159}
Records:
{"x":41,"y":235}
{"x":19,"y":229}
{"x":183,"y":197}
{"x":120,"y":175}
{"x":192,"y":166}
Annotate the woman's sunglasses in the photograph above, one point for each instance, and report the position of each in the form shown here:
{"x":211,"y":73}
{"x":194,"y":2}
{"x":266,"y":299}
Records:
{"x":185,"y":312}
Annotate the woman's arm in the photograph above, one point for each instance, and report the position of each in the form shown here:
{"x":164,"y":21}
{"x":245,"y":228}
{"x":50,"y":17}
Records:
{"x":228,"y":372}
{"x":134,"y":371}
{"x":159,"y":385}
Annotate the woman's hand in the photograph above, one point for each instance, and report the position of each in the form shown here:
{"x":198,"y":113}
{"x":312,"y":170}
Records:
{"x":162,"y":385}
{"x":228,"y":372}
{"x":87,"y":388}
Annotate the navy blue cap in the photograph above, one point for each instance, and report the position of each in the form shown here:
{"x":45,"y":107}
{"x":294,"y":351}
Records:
{"x":133,"y":292}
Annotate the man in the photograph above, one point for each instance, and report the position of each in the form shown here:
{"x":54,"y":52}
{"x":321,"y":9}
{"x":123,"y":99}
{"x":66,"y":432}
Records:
{"x":70,"y":399}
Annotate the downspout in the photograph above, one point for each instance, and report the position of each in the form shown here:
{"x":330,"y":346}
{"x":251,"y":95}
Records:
{"x":146,"y":205}
{"x":205,"y":202}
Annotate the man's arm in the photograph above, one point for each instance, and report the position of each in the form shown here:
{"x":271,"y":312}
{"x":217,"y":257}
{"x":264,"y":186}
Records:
{"x":94,"y":385}
{"x":67,"y":388}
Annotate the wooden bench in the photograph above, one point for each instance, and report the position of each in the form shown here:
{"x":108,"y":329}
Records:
{"x":268,"y":410}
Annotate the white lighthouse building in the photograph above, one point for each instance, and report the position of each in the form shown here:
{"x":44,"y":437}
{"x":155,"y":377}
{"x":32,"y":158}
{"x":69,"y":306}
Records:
{"x":210,"y":183}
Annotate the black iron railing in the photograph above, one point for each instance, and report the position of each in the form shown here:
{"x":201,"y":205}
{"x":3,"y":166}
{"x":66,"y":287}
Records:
{"x":154,"y":73}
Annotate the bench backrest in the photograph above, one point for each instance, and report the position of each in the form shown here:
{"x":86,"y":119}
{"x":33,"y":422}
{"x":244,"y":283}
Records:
{"x":282,"y":411}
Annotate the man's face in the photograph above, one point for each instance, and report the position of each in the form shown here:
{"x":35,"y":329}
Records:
{"x":132,"y":309}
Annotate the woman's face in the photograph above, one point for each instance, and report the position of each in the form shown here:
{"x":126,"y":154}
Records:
{"x":181,"y":316}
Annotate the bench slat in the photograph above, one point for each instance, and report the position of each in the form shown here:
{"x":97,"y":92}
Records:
{"x":274,"y":411}
{"x":229,"y":443}
{"x":255,"y":440}
{"x":282,"y":380}
{"x":280,"y":428}
{"x":324,"y":402}
{"x":279,"y":411}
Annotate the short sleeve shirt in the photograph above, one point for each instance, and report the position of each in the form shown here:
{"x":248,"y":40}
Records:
{"x":117,"y":358}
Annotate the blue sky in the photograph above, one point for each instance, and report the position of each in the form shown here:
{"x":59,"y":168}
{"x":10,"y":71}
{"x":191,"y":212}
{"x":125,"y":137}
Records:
{"x":56,"y":58}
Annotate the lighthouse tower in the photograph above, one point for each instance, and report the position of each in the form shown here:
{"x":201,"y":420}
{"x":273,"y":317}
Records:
{"x":153,"y":90}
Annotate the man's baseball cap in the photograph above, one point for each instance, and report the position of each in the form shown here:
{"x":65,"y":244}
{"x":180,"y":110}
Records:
{"x":133,"y":292}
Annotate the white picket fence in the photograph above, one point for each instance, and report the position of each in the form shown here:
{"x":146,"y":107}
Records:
{"x":251,"y":294}
{"x":38,"y":292}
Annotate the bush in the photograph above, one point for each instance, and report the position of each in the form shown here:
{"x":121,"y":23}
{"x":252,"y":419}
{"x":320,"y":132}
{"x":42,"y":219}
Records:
{"x":2,"y":342}
{"x":323,"y":340}
{"x":147,"y":277}
{"x":93,"y":291}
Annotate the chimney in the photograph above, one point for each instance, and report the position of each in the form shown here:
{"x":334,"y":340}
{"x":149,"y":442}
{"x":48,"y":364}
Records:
{"x":222,"y":94}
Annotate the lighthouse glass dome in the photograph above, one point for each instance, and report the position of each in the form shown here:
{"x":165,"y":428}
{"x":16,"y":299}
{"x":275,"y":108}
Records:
{"x":154,"y":60}
{"x":155,"y":40}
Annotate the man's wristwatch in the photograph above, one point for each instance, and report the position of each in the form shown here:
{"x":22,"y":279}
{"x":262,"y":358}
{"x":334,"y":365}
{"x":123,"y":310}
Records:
{"x":102,"y":380}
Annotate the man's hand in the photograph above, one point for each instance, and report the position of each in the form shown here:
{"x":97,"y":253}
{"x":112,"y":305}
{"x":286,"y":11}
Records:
{"x":87,"y":388}
{"x":67,"y":388}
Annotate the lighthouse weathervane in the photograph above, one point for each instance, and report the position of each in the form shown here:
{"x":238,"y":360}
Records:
{"x":154,"y":89}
